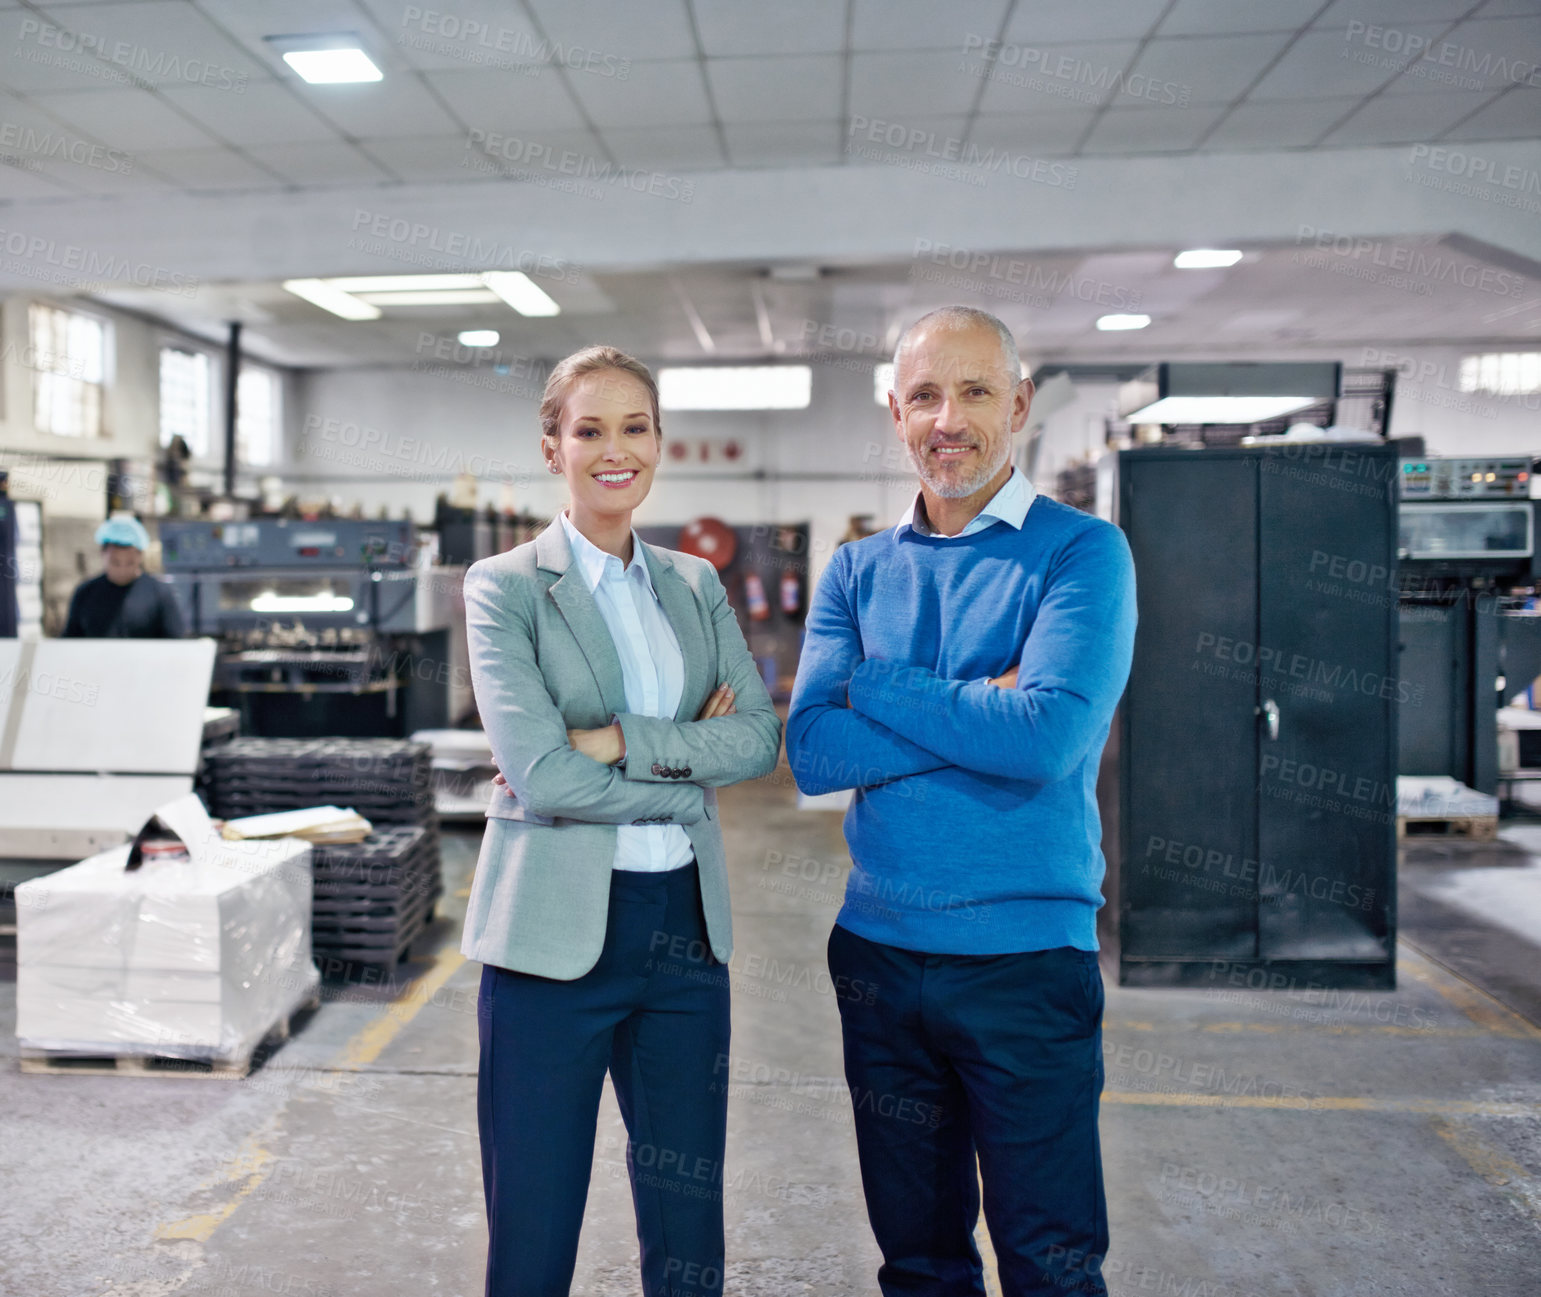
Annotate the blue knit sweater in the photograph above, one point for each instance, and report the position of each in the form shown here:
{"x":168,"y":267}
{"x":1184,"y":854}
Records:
{"x":974,"y":829}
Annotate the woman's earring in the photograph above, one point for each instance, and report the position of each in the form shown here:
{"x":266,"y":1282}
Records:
{"x":554,"y":468}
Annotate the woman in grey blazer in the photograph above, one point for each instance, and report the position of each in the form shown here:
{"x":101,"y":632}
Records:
{"x":618,"y":694}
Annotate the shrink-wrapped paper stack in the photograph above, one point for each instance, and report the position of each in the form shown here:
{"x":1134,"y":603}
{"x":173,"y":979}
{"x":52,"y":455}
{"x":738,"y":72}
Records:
{"x":199,"y":957}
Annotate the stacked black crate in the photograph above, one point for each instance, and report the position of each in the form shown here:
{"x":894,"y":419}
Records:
{"x":372,"y":898}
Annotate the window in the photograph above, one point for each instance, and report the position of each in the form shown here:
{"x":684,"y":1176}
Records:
{"x":185,"y":398}
{"x":257,"y":413}
{"x":744,"y":387}
{"x":882,"y":382}
{"x":69,"y":361}
{"x":1502,"y":373}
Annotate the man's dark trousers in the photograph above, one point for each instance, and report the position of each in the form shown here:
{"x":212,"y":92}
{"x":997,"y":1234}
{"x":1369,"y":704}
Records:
{"x":996,"y":1053}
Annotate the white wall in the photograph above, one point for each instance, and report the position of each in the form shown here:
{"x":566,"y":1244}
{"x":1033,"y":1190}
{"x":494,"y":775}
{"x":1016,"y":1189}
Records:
{"x":398,"y":437}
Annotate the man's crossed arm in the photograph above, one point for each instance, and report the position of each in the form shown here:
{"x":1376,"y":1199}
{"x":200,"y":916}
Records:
{"x":857,"y":723}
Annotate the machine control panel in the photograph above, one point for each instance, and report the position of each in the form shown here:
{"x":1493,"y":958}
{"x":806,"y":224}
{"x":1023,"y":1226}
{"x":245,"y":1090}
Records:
{"x":286,"y":543}
{"x":1465,"y":479}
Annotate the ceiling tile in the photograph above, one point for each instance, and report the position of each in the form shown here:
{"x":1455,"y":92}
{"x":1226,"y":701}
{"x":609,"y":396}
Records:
{"x":924,"y":24}
{"x":776,"y":89}
{"x":248,"y":23}
{"x":1058,"y":77}
{"x":319,"y":164}
{"x":1217,"y":17}
{"x":36,"y":65}
{"x":902,"y":86}
{"x":778,"y":144}
{"x":1051,"y":131}
{"x":162,"y":42}
{"x":18,"y":184}
{"x":1395,"y":13}
{"x":1285,"y":124}
{"x":431,"y":157}
{"x":670,"y":93}
{"x":555,"y":159}
{"x":1054,"y":21}
{"x":136,"y":120}
{"x":18,"y":116}
{"x":110,"y":173}
{"x":521,"y":151}
{"x":1512,"y":116}
{"x":687,"y":148}
{"x":266,"y":112}
{"x":1407,"y":119}
{"x":210,"y":169}
{"x":1151,"y":130}
{"x":503,"y":101}
{"x":659,"y":29}
{"x":787,"y":27}
{"x":395,"y":106}
{"x":1198,"y":69}
{"x":1490,"y":52}
{"x":489,"y":34}
{"x":1334,"y":63}
{"x":936,"y":140}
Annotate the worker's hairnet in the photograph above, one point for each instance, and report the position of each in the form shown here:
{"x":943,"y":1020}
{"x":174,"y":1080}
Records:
{"x":123,"y":531}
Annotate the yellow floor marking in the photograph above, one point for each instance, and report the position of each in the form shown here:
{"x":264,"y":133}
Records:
{"x":1321,"y":1028}
{"x":370,"y":1042}
{"x":1476,"y":1004}
{"x":1498,"y":1169}
{"x":1325,"y":1103}
{"x":251,"y":1163}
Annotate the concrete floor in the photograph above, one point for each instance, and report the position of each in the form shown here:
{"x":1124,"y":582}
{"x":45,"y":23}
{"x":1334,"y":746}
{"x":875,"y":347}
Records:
{"x":1286,"y":1145}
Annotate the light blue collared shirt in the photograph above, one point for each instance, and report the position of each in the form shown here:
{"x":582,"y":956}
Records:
{"x":652,"y":668}
{"x":1009,"y":505}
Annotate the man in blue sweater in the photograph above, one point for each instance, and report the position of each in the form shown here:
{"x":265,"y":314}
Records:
{"x":960,"y":672}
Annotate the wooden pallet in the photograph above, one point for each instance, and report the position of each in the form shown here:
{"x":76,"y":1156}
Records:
{"x":1475,"y":828}
{"x":205,"y":1068}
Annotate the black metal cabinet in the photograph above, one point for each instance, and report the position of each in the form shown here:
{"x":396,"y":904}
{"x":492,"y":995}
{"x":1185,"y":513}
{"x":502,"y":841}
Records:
{"x":1257,"y":752}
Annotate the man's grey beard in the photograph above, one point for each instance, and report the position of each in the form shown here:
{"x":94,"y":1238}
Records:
{"x":963,"y":488}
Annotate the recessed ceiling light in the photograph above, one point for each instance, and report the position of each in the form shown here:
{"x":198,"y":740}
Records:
{"x":320,"y":293}
{"x":333,"y":66}
{"x":405,"y":283}
{"x":477,"y":338}
{"x":1112,"y":322}
{"x":448,"y":297}
{"x":521,"y":292}
{"x":1206,"y":258}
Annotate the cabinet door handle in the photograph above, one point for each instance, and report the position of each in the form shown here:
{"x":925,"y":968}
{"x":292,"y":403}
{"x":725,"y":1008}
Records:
{"x":1269,"y":711}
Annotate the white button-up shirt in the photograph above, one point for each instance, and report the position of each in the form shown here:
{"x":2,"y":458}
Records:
{"x":1009,"y":505}
{"x":652,"y":668}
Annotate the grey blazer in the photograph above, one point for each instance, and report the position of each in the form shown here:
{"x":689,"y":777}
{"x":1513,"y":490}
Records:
{"x":542,"y":661}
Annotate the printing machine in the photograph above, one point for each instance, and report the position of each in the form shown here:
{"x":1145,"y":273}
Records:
{"x":1471,"y":641}
{"x":326,"y":627}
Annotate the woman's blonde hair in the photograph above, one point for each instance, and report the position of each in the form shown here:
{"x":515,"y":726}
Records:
{"x":591,"y":360}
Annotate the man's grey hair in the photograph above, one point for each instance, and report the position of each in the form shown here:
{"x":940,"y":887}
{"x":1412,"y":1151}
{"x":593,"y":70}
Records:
{"x":963,"y":317}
